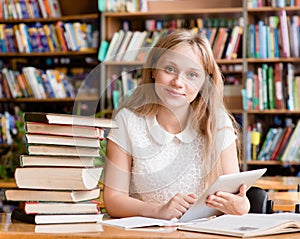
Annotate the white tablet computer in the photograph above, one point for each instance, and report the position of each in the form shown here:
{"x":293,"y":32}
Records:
{"x":227,"y":183}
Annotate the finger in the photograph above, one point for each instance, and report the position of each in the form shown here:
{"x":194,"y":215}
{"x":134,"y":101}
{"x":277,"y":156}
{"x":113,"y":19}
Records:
{"x":191,"y":198}
{"x":215,"y":201}
{"x":243,"y":190}
{"x":192,"y":195}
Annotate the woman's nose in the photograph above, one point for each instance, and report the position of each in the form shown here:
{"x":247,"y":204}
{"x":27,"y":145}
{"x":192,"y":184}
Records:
{"x":178,"y":79}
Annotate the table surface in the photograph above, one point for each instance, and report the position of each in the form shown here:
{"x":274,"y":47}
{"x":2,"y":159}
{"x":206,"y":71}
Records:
{"x":284,"y":201}
{"x":278,"y":182}
{"x":10,"y":230}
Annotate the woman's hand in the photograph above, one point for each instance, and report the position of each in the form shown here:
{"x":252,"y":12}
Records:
{"x":228,"y":203}
{"x":176,"y":206}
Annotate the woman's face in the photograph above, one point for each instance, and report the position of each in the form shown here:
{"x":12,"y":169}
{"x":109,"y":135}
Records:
{"x":179,"y":76}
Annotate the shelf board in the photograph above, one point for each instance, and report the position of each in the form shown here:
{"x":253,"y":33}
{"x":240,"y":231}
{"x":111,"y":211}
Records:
{"x":177,"y":12}
{"x":275,"y":111}
{"x":121,"y":63}
{"x":8,"y":183}
{"x":230,"y":61}
{"x":271,"y":162}
{"x":272,"y":60}
{"x":51,"y":100}
{"x":91,"y":16}
{"x":50,"y":54}
{"x":272,"y":9}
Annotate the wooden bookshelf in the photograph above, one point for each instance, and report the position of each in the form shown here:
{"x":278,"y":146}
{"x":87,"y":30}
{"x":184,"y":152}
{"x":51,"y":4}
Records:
{"x":271,"y":117}
{"x":81,"y":61}
{"x":164,"y":11}
{"x":72,"y":11}
{"x":188,"y":9}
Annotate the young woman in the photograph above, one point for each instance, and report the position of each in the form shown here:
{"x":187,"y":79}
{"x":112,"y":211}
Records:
{"x":174,"y":137}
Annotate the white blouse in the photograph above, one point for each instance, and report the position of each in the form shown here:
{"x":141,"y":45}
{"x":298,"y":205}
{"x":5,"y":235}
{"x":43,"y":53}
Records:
{"x":164,"y":164}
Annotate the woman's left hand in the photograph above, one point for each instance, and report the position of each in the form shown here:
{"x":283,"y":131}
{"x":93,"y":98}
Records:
{"x":228,"y":203}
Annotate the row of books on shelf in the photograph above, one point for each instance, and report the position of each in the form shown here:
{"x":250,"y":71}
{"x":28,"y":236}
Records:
{"x":272,"y":3}
{"x":276,"y":36}
{"x":272,"y":87}
{"x":35,"y":83}
{"x":58,"y":180}
{"x":29,"y":9}
{"x":121,"y":86}
{"x":279,"y":143}
{"x":198,"y":22}
{"x":9,"y":127}
{"x":55,"y":37}
{"x":134,"y":45}
{"x":123,"y":5}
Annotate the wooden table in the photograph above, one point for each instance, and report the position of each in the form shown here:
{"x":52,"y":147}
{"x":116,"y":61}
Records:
{"x":284,"y":201}
{"x":8,"y":183}
{"x":10,"y":230}
{"x":278,"y":183}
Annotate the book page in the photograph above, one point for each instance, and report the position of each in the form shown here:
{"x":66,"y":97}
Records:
{"x":247,"y":225}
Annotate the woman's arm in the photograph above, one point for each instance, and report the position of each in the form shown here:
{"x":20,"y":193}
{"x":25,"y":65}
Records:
{"x":117,"y":201}
{"x":227,"y":202}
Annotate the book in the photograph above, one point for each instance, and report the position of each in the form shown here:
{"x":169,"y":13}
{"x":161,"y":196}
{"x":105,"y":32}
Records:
{"x":281,"y":141}
{"x":112,"y":47}
{"x":284,"y":143}
{"x":275,"y":141}
{"x":19,"y":215}
{"x":51,"y":195}
{"x":55,"y":9}
{"x":60,"y":208}
{"x":63,"y":161}
{"x":122,"y":49}
{"x":248,"y":225}
{"x":292,"y":146}
{"x":60,"y":150}
{"x":52,"y":118}
{"x":67,"y":130}
{"x":57,"y":178}
{"x":68,"y":228}
{"x":138,"y":222}
{"x":62,"y":140}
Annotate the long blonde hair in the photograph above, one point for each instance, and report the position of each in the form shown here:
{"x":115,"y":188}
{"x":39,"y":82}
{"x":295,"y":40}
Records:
{"x":206,"y":105}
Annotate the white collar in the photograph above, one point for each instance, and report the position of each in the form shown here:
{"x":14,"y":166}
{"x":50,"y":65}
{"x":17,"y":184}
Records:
{"x":161,"y":136}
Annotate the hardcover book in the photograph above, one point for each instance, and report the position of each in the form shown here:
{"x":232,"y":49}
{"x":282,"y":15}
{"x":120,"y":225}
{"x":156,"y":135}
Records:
{"x":52,"y":118}
{"x":66,"y":130}
{"x":57,"y":178}
{"x":60,"y":208}
{"x":51,"y":195}
{"x":20,"y":215}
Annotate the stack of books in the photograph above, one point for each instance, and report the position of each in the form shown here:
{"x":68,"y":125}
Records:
{"x":57,"y":179}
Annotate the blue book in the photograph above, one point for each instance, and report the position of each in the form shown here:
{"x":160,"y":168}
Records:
{"x":251,"y":41}
{"x":103,"y":50}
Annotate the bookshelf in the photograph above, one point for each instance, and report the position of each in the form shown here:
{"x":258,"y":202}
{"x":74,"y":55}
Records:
{"x":272,"y":113}
{"x":186,"y":14}
{"x":70,"y":64}
{"x":74,"y":61}
{"x":234,"y":69}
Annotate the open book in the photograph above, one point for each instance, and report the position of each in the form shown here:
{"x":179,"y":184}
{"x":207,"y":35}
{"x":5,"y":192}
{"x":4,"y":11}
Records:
{"x":199,"y":211}
{"x":248,"y":225}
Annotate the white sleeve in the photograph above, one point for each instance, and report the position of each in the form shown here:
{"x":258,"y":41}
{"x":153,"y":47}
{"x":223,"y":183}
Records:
{"x":120,"y":135}
{"x":226,"y":134}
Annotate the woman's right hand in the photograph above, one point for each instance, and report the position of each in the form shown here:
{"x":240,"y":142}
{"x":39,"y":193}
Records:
{"x":176,"y":206}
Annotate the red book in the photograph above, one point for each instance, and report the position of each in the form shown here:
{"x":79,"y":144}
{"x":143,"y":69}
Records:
{"x":278,"y":82}
{"x":237,"y":44}
{"x":281,"y":144}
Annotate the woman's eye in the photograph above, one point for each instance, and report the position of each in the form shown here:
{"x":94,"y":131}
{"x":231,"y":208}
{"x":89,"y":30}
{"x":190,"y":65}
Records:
{"x":170,"y":69}
{"x":193,"y":75}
